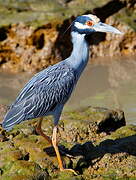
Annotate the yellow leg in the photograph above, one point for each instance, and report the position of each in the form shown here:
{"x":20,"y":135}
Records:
{"x":40,"y":132}
{"x":54,"y":143}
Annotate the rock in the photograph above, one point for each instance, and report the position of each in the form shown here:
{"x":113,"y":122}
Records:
{"x":115,"y":156}
{"x":23,"y":170}
{"x":112,"y":120}
{"x":66,"y":176}
{"x":3,"y":110}
{"x":115,"y":45}
{"x":26,"y":155}
{"x":94,"y":122}
{"x":113,"y":166}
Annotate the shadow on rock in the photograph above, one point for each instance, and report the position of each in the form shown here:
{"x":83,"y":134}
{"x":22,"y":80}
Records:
{"x":89,"y":154}
{"x":85,"y":145}
{"x":85,"y":155}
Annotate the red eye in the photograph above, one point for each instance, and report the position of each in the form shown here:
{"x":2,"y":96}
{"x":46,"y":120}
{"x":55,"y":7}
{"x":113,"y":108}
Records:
{"x":89,"y":23}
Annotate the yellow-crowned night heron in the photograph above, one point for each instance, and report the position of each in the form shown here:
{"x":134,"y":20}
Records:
{"x":48,"y":91}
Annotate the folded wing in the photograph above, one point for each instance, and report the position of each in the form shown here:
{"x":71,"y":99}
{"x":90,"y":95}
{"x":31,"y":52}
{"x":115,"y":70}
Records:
{"x":41,"y":94}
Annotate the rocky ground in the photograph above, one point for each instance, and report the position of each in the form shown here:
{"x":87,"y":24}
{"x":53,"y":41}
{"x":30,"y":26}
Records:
{"x":31,"y":33}
{"x":95,"y":142}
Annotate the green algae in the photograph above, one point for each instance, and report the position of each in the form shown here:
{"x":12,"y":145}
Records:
{"x":125,"y":131}
{"x":41,"y":12}
{"x":85,"y":114}
{"x":66,"y":176}
{"x":127,"y":16}
{"x":28,"y":155}
{"x":19,"y":169}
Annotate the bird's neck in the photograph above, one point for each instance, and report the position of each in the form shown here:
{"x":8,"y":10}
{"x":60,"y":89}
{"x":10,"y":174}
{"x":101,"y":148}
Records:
{"x":79,"y":56}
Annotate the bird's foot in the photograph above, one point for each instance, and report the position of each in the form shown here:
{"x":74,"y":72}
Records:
{"x":71,"y":170}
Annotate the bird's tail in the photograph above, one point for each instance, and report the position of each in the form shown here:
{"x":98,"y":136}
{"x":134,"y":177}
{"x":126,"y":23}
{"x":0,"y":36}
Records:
{"x":14,"y":116}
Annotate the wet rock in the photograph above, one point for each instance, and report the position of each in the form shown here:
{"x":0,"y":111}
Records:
{"x":115,"y":45}
{"x":112,"y":120}
{"x":113,"y":166}
{"x":90,"y":123}
{"x":93,"y":154}
{"x":23,"y":170}
{"x":114,"y":155}
{"x":27,"y":49}
{"x":66,"y":176}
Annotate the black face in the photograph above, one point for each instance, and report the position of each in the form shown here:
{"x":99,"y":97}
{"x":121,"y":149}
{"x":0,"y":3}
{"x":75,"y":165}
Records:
{"x":82,"y":19}
{"x":88,"y":24}
{"x":80,"y":25}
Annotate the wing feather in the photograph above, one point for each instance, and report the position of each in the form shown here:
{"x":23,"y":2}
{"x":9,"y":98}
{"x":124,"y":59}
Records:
{"x":41,"y":94}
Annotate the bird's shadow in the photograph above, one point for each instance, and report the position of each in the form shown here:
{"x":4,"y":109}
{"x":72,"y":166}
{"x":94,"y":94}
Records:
{"x":90,"y":154}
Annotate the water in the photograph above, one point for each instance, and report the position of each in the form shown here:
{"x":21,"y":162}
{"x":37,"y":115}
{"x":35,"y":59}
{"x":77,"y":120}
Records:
{"x":110,"y":84}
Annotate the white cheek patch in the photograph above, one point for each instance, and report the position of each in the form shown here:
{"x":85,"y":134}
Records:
{"x":93,"y":17}
{"x":81,"y":26}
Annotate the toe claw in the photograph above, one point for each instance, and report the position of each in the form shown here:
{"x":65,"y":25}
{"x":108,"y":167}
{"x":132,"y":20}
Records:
{"x":71,"y":170}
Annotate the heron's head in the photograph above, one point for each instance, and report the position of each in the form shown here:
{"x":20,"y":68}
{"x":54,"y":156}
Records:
{"x":87,"y":24}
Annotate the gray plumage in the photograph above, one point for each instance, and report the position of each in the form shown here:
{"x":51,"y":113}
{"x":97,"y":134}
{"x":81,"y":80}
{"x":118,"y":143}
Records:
{"x":48,"y":91}
{"x":42,"y":94}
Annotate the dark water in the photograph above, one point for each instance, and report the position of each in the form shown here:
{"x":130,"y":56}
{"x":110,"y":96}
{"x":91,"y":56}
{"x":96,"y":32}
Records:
{"x":111,"y":85}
